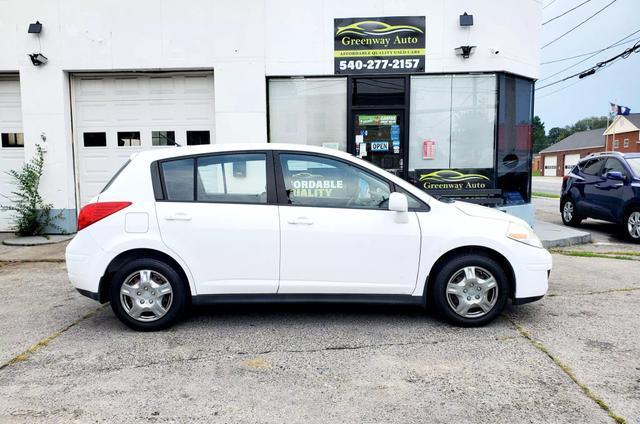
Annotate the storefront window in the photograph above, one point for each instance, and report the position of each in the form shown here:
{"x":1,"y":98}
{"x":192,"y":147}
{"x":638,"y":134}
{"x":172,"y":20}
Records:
{"x":308,"y":111}
{"x":513,"y":151}
{"x":452,"y":121}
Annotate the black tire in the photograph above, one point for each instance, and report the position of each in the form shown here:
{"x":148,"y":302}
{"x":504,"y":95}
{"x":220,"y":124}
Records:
{"x":631,"y":231}
{"x":177,"y":304}
{"x":570,"y":216}
{"x":442,"y":301}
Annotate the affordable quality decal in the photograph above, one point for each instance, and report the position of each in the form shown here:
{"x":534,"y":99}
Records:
{"x":373,"y":45}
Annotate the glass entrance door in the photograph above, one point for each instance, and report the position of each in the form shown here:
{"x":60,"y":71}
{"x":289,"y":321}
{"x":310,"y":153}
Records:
{"x":376,"y":138}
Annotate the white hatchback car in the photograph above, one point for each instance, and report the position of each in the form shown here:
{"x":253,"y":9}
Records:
{"x":283,"y":223}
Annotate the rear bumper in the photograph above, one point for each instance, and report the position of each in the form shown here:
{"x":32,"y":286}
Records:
{"x":84,"y":263}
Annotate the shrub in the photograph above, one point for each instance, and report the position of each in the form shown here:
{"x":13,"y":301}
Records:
{"x":31,"y":215}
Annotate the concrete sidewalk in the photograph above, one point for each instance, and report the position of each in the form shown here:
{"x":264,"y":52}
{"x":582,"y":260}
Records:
{"x":41,"y":253}
{"x":553,"y":235}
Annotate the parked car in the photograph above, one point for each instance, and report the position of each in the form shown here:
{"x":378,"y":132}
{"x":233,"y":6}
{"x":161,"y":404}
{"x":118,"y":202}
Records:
{"x":604,"y":186}
{"x":282,"y":223}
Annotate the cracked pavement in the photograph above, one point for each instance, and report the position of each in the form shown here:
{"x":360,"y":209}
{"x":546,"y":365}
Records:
{"x":295,"y":363}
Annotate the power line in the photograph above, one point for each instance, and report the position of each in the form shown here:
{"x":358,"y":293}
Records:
{"x":568,"y":11}
{"x":555,"y":91}
{"x":549,"y":4}
{"x":584,"y":60}
{"x":579,"y":25}
{"x":598,"y":66}
{"x":593,"y":52}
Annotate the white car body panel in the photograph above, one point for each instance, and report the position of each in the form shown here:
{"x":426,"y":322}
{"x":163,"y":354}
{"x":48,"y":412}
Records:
{"x":261,"y":252}
{"x":360,"y":251}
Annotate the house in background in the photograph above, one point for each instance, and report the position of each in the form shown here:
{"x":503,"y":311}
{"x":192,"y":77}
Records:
{"x":558,"y":159}
{"x":623,"y":135}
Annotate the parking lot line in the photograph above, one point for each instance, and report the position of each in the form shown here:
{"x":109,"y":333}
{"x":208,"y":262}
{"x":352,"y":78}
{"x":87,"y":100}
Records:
{"x":567,"y":370}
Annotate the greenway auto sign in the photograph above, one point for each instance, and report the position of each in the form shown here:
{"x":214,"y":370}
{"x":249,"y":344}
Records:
{"x":373,"y":45}
{"x":452,"y":179}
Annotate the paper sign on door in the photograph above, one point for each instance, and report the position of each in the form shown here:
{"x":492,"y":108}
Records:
{"x":428,"y":149}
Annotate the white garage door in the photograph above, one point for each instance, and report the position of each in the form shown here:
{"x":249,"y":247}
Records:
{"x":550,"y":163}
{"x":570,"y":161}
{"x":12,"y":147}
{"x":116,"y":115}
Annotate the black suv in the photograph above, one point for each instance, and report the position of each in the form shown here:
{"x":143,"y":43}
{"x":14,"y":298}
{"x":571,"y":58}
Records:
{"x":604,"y":186}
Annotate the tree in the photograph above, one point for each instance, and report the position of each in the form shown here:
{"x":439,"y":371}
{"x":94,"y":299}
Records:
{"x":538,"y":135}
{"x":556,"y":134}
{"x":591,"y":123}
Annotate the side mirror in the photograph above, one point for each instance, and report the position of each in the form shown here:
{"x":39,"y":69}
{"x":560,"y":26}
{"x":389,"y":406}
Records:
{"x":398,"y":202}
{"x":615,"y":175}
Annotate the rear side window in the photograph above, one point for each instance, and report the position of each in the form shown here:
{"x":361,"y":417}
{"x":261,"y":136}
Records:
{"x":592,"y":166}
{"x":178,"y":179}
{"x":118,"y":172}
{"x":235,"y":178}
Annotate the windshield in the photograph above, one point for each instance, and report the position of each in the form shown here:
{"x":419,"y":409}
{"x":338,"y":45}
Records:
{"x":634,"y":163}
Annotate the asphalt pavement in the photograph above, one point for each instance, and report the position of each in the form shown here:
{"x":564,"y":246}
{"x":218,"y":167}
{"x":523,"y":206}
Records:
{"x":572,"y":357}
{"x":548,"y":185}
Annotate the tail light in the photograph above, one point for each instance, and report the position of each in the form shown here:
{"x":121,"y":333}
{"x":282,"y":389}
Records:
{"x":94,"y":212}
{"x":565,"y":178}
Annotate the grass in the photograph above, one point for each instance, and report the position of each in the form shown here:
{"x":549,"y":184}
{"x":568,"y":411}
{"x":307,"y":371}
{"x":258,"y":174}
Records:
{"x":549,"y":195}
{"x":536,"y":173}
{"x":625,"y":256}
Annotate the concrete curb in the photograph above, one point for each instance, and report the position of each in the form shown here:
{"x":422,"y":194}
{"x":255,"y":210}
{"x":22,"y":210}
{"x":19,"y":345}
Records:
{"x":553,"y":235}
{"x":36,"y":240}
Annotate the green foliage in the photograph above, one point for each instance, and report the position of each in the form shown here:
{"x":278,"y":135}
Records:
{"x":31,"y":215}
{"x":538,"y":135}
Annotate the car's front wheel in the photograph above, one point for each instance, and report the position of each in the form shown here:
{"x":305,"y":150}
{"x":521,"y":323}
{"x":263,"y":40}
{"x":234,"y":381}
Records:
{"x":632,"y":225}
{"x":147,"y":294}
{"x":470,"y":290}
{"x":570,"y":215}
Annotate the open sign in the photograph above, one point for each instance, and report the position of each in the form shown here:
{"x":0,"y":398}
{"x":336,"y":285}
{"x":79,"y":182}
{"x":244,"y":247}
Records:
{"x":379,"y":146}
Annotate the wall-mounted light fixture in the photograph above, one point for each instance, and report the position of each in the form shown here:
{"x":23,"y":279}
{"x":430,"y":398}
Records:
{"x":465,"y":51}
{"x":35,"y":28}
{"x":37,"y":58}
{"x":466,"y":20}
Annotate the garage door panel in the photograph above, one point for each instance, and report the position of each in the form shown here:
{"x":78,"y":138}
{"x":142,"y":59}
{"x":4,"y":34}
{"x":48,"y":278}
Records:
{"x":550,"y":163}
{"x":570,"y":161}
{"x":10,"y":157}
{"x":138,"y":103}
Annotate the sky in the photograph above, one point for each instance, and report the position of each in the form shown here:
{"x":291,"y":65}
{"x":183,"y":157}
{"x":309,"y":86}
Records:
{"x":567,"y":102}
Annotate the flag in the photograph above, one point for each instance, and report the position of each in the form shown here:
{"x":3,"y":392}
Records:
{"x":619,"y":110}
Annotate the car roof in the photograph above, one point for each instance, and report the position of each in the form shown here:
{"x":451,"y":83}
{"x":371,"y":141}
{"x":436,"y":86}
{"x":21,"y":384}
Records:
{"x":171,"y":152}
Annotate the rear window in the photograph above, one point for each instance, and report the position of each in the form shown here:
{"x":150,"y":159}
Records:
{"x":634,"y":163}
{"x":116,"y":175}
{"x":591,"y":166}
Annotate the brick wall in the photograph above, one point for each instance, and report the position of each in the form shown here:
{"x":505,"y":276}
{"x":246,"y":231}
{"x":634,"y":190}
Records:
{"x":634,"y":142}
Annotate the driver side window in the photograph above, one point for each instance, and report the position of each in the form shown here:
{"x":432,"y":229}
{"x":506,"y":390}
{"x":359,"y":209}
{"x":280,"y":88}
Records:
{"x":319,"y":181}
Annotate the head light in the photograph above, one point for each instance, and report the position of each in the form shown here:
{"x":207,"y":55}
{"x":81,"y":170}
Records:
{"x":523,"y":234}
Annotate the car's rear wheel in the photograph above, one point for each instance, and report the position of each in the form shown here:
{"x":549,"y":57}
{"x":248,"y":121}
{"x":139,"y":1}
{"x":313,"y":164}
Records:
{"x":632,"y":225}
{"x":147,"y":295}
{"x":570,"y":215}
{"x":470,"y":290}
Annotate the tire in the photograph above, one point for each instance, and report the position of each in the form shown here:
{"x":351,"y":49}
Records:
{"x":458,"y":285}
{"x":148,"y":295}
{"x":570,"y":214}
{"x":631,"y":225}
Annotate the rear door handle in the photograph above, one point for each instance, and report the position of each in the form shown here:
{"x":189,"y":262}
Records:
{"x":301,"y":220}
{"x":178,"y":216}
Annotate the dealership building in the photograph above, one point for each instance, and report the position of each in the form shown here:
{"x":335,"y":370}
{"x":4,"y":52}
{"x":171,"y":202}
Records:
{"x":437,"y":92}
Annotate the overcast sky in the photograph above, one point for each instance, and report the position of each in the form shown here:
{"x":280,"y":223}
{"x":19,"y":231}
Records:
{"x":564,"y":103}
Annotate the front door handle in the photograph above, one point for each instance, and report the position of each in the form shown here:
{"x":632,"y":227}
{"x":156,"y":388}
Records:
{"x":301,"y":220}
{"x":178,"y":216}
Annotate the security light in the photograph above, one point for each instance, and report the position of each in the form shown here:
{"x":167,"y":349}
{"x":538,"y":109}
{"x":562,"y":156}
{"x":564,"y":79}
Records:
{"x":35,"y":28}
{"x":466,"y":20}
{"x":465,"y":51}
{"x":38,"y":59}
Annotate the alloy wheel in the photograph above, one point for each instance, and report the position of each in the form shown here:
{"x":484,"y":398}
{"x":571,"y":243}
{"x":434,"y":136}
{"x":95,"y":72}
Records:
{"x":567,"y":211}
{"x":633,"y":224}
{"x":146,"y":295}
{"x":472,"y":292}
